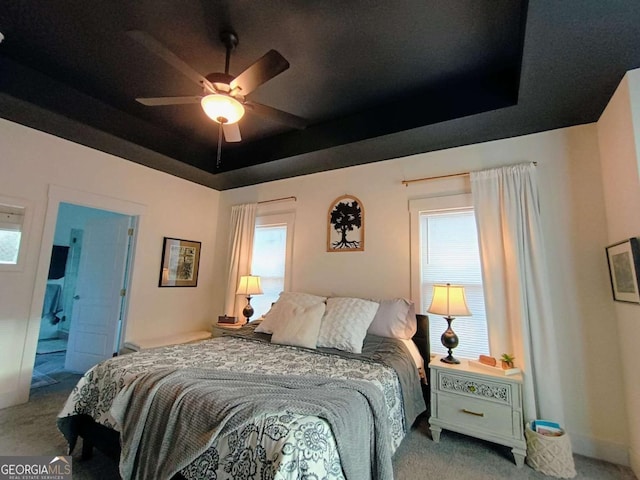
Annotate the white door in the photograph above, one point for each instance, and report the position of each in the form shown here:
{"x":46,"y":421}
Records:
{"x":96,"y":310}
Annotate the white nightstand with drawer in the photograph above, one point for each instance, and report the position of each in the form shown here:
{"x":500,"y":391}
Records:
{"x":479,"y":403}
{"x":219,"y":329}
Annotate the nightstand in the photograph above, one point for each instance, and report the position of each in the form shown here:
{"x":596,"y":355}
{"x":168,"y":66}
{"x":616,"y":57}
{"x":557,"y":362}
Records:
{"x":219,"y":329}
{"x":483,"y":404}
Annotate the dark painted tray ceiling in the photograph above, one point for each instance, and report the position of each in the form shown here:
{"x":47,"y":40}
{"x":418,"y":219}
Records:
{"x":376,"y":80}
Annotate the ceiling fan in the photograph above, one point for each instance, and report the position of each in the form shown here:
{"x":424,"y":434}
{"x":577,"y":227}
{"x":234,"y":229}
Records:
{"x":224,"y":97}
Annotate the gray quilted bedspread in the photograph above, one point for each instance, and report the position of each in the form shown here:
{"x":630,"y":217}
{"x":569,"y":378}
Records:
{"x":191,"y":407}
{"x":281,"y":444}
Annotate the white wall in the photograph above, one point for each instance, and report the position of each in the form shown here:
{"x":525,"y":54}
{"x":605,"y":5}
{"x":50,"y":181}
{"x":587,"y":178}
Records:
{"x":573,"y":215}
{"x":31,"y":161}
{"x":572,"y":204}
{"x":619,"y":140}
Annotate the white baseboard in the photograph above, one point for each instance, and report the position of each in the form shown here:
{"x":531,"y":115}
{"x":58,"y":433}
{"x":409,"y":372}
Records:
{"x":15,"y":397}
{"x":608,"y":451}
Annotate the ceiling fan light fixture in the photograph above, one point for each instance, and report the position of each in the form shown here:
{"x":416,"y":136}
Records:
{"x":222,"y":108}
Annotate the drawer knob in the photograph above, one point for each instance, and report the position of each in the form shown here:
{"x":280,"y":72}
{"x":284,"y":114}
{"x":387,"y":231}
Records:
{"x":473,"y":413}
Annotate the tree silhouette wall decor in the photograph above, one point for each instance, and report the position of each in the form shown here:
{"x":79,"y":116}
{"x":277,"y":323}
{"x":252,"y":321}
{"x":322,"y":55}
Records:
{"x":345,"y":229}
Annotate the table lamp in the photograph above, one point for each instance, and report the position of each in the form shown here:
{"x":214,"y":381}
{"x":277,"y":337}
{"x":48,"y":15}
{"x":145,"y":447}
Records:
{"x":449,"y":301}
{"x":249,"y":285}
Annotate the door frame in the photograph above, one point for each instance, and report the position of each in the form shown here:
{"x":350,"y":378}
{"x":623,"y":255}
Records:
{"x":58,"y":194}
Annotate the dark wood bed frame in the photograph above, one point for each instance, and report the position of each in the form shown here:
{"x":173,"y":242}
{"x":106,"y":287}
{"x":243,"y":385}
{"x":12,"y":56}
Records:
{"x":108,"y":441}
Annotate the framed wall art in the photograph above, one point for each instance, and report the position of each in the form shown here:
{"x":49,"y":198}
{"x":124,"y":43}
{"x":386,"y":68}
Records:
{"x":345,"y":225}
{"x":624,"y":270}
{"x":180,"y":262}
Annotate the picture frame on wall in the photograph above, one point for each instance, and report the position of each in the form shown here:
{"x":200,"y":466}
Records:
{"x":624,"y":270}
{"x":180,"y":263}
{"x":345,"y":225}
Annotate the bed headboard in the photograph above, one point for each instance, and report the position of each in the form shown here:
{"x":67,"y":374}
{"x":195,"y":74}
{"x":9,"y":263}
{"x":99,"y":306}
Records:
{"x":421,"y":338}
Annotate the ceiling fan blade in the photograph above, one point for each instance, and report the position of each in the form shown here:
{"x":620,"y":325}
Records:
{"x":160,"y":101}
{"x":265,"y":68}
{"x":277,"y":115}
{"x":158,"y":49}
{"x":231,"y":132}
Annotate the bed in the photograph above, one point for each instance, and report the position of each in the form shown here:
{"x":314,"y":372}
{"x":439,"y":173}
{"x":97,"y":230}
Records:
{"x":242,"y":406}
{"x":52,"y":304}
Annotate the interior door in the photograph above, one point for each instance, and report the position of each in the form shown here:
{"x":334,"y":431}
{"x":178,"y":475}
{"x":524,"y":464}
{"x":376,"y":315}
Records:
{"x":96,"y":310}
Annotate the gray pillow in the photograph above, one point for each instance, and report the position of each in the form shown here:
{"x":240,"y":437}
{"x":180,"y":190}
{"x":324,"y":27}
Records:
{"x":395,"y":318}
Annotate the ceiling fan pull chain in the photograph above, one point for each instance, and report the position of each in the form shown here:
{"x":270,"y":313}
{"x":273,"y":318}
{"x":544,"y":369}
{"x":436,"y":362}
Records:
{"x":227,"y":60}
{"x":219,"y":145}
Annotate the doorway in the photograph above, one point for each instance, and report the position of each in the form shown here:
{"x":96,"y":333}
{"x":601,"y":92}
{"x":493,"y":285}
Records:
{"x":62,"y":317}
{"x":58,"y":194}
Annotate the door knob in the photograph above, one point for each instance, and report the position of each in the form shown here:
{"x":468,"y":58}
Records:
{"x":76,"y":297}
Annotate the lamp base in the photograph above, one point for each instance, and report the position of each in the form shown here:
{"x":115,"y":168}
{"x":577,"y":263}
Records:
{"x":248,"y":310}
{"x":449,"y":340}
{"x":449,"y":359}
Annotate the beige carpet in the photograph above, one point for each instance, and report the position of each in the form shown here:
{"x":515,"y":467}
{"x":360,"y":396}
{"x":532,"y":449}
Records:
{"x":30,"y":429}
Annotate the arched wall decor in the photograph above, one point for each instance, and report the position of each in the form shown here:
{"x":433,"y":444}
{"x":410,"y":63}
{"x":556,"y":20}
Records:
{"x":345,"y":225}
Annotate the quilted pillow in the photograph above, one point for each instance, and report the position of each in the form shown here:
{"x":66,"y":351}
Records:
{"x":395,"y":318}
{"x":345,"y":323}
{"x":297,"y":298}
{"x":298,"y":326}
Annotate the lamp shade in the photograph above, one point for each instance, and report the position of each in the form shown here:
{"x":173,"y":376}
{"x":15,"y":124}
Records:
{"x":449,"y":300}
{"x":249,"y":285}
{"x":222,"y":108}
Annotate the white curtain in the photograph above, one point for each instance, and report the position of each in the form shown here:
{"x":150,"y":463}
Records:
{"x":517,"y":297}
{"x":242,"y":227}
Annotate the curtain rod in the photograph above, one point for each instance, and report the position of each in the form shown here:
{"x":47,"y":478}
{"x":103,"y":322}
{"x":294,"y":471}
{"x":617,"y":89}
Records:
{"x":279,"y":200}
{"x":424,"y":179}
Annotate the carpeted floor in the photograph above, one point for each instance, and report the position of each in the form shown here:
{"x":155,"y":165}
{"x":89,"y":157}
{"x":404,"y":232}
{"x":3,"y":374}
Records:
{"x":30,"y":429}
{"x":46,"y":366}
{"x":40,"y":379}
{"x":51,"y":346}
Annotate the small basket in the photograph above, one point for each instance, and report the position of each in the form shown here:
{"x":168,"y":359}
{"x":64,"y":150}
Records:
{"x":550,"y":455}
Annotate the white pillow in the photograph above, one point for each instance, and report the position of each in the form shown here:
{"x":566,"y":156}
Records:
{"x":270,"y":320}
{"x":302,"y":299}
{"x":345,"y":323}
{"x":298,"y":326}
{"x":395,"y":318}
{"x":415,"y":353}
{"x":297,"y":298}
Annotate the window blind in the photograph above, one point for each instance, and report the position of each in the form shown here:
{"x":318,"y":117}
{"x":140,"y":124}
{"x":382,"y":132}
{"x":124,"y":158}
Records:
{"x":449,"y":254}
{"x":268,"y":262}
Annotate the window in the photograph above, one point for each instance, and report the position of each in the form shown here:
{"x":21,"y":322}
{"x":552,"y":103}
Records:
{"x":448,"y":252}
{"x":271,"y":260}
{"x":11,"y":229}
